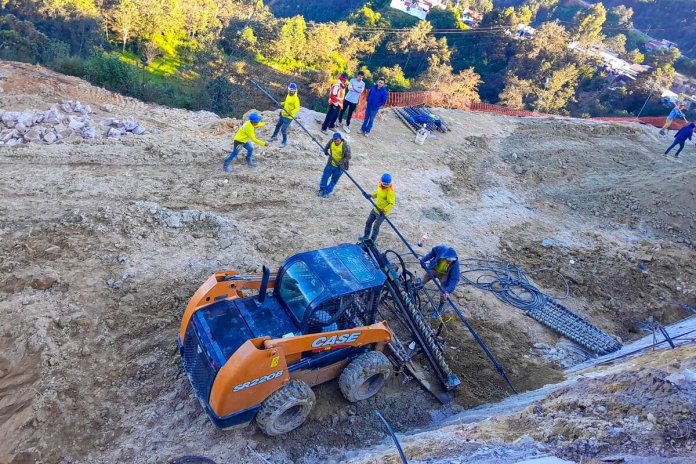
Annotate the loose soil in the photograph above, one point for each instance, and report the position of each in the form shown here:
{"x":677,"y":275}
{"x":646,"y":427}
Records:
{"x":102,"y":242}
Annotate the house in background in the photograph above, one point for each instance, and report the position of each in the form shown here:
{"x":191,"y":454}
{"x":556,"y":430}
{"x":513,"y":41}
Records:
{"x":655,"y":45}
{"x":470,"y":17}
{"x":418,"y":8}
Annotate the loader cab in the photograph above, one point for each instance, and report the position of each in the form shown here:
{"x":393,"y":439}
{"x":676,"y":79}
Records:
{"x":330,"y":289}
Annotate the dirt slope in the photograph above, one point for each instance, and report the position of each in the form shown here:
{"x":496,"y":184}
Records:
{"x":103,"y":241}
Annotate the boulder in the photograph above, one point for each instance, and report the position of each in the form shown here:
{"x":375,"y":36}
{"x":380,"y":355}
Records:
{"x":50,"y":136}
{"x":26,"y":118}
{"x":63,"y":132}
{"x":87,"y":109}
{"x":139,"y":130}
{"x":53,"y":116}
{"x":21,"y":128}
{"x":130,"y":125}
{"x":9,"y":134}
{"x":77,"y":107}
{"x":13,"y":142}
{"x":10,"y":118}
{"x":115,"y":132}
{"x":108,"y":122}
{"x":33,"y":135}
{"x":75,"y":123}
{"x":89,"y":132}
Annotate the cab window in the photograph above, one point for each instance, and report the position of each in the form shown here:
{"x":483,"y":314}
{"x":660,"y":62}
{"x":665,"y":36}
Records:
{"x":298,"y":288}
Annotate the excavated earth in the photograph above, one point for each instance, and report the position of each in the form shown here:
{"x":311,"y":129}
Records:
{"x":102,"y":242}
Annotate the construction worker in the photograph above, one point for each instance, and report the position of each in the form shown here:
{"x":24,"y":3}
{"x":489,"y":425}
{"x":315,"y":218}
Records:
{"x":376,"y":99}
{"x":385,"y":199}
{"x":356,"y":87}
{"x":336,"y":96}
{"x":338,"y":153}
{"x":291,"y":106}
{"x":442,"y":264}
{"x":243,"y":138}
{"x":680,"y":138}
{"x":677,"y":112}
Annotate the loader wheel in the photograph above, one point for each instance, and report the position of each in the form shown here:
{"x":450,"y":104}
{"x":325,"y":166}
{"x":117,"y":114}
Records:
{"x":286,"y":408}
{"x":363,"y":377}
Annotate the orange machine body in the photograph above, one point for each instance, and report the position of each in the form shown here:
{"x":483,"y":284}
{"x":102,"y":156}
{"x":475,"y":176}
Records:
{"x":237,"y":350}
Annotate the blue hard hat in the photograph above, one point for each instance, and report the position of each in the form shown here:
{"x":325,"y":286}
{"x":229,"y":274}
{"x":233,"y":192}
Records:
{"x":292,"y":87}
{"x":255,"y":117}
{"x":386,"y":178}
{"x":337,"y":135}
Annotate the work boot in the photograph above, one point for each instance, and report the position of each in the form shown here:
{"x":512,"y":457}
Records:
{"x":324,"y":131}
{"x":273,"y":138}
{"x":366,"y":134}
{"x":346,"y":129}
{"x":283,"y":144}
{"x":325,"y":195}
{"x":251,"y":164}
{"x":227,"y":169}
{"x":320,"y":193}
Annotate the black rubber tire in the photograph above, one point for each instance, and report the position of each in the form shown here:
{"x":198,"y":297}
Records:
{"x":365,"y":376}
{"x":286,"y":408}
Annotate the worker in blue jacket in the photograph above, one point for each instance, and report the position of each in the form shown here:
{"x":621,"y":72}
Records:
{"x":376,"y":99}
{"x":680,"y":138}
{"x":677,"y":112}
{"x":442,"y":264}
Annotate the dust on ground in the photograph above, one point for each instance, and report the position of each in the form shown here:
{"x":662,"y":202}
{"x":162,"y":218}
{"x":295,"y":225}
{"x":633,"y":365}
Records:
{"x":642,"y":407}
{"x":102,"y":242}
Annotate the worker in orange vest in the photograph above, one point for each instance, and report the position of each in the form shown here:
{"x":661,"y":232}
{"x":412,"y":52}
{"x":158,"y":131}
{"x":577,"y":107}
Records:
{"x":336,"y":96}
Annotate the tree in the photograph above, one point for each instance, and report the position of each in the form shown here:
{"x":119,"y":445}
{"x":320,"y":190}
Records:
{"x":394,"y":78}
{"x":616,"y":44}
{"x":125,"y":18}
{"x":292,"y":41}
{"x":201,"y":16}
{"x":589,"y":25}
{"x":482,"y":6}
{"x":620,"y":15}
{"x":558,"y":90}
{"x":516,"y":92}
{"x":635,"y":56}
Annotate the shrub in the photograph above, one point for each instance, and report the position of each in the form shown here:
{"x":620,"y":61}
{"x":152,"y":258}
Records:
{"x":112,"y":73}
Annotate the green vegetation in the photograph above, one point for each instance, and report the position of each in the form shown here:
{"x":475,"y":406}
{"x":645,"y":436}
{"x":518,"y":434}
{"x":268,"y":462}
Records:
{"x":201,"y":54}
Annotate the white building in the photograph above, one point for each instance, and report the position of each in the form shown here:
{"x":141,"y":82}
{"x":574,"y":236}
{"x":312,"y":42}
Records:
{"x":418,"y":8}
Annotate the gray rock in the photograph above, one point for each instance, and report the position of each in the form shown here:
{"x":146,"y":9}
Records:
{"x":53,"y":116}
{"x":10,"y":118}
{"x":87,"y":110}
{"x":66,"y":106}
{"x":130,"y":125}
{"x":616,"y":431}
{"x":21,"y":128}
{"x":13,"y":142}
{"x":8,"y":135}
{"x":139,"y":130}
{"x":75,"y":123}
{"x":174,"y":221}
{"x":63,"y":132}
{"x":89,"y":132}
{"x":50,"y":137}
{"x":115,"y":132}
{"x":77,"y":107}
{"x":33,"y":135}
{"x":108,"y":122}
{"x":26,"y":118}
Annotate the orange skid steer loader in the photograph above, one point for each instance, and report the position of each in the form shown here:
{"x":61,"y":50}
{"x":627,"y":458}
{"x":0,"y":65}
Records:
{"x":314,"y":321}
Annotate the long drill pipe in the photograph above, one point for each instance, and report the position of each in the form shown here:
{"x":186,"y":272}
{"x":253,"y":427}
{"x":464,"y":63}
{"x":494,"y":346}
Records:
{"x":459,"y":314}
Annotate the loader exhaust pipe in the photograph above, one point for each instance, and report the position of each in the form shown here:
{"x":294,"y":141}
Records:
{"x":264,"y":283}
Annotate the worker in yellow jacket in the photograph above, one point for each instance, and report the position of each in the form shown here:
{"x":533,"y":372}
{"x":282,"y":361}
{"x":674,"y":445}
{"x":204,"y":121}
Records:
{"x":243,"y":138}
{"x":385,"y":199}
{"x":291,"y":106}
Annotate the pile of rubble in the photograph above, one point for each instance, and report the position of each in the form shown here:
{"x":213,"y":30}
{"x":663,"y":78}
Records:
{"x":70,"y":118}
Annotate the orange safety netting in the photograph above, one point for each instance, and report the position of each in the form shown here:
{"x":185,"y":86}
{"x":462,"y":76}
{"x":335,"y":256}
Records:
{"x":437,"y":99}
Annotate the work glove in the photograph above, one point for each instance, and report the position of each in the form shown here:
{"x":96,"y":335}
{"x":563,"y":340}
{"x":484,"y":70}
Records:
{"x":366,"y":195}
